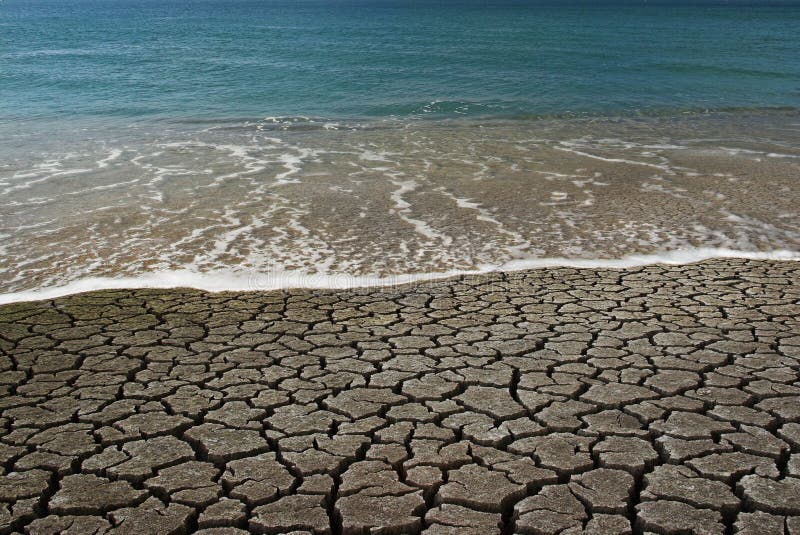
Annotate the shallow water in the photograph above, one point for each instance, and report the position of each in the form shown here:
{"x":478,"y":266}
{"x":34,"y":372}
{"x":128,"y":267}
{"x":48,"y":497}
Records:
{"x":385,"y":199}
{"x":265,"y":144}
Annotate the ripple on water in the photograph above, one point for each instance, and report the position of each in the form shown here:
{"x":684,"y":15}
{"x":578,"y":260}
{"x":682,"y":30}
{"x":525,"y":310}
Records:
{"x":367,"y":204}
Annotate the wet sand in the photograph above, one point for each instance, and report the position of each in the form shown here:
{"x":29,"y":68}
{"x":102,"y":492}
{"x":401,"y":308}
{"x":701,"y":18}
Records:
{"x":659,"y":399}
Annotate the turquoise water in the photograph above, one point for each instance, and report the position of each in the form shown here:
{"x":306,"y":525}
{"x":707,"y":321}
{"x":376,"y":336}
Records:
{"x":211,"y":59}
{"x":261,"y":144}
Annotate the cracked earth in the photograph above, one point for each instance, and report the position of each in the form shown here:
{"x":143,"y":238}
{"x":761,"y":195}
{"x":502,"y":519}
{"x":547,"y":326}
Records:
{"x":659,"y":399}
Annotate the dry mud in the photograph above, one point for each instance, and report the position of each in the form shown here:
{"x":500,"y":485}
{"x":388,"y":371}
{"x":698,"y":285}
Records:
{"x":659,"y":399}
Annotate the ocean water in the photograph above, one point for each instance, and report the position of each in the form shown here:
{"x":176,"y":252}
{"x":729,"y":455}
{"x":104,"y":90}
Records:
{"x":258,"y":143}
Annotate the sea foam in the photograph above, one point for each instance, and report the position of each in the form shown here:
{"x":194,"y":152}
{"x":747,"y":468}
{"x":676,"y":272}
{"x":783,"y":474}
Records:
{"x":231,"y":280}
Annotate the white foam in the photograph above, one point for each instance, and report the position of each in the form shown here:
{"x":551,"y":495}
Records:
{"x":565,"y":148}
{"x":30,"y":183}
{"x":229,"y":280}
{"x":377,"y":156}
{"x":113,"y":155}
{"x":403,"y":208}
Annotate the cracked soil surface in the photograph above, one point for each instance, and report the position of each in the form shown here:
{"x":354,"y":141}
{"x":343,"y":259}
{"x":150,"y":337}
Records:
{"x":659,"y":399}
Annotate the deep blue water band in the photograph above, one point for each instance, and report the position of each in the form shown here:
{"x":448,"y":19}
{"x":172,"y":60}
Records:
{"x":200,"y":59}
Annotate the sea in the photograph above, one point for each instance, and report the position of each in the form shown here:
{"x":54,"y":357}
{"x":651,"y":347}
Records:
{"x":260,"y":144}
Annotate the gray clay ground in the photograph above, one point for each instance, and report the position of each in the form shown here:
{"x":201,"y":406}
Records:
{"x":657,"y":399}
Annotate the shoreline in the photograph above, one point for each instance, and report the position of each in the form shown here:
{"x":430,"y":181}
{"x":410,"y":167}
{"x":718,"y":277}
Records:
{"x":208,"y":202}
{"x":230,"y":281}
{"x":660,"y":398}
